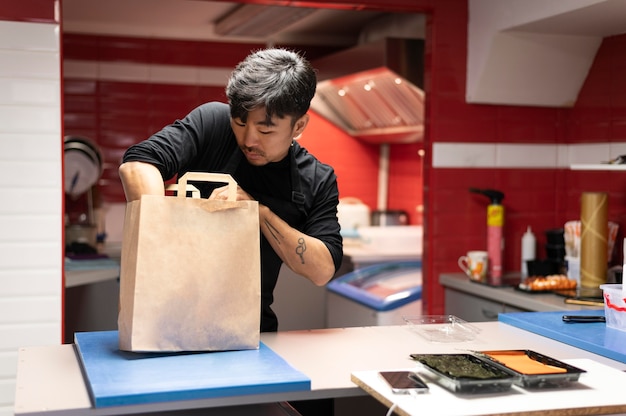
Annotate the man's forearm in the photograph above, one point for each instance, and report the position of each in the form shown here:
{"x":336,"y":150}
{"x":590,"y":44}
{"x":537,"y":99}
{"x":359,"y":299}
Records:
{"x":139,"y":178}
{"x":305,"y":255}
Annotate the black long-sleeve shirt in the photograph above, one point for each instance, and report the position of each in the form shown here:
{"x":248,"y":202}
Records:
{"x":299,"y":189}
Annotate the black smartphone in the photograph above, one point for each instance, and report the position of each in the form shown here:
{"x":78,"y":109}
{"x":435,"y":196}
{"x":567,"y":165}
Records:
{"x":584,"y":318}
{"x":404,"y":382}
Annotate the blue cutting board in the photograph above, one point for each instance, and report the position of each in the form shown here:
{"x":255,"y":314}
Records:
{"x":117,"y":377}
{"x":593,"y":337}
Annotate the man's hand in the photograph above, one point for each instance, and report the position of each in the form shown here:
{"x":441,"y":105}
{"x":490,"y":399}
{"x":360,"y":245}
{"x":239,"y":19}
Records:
{"x":303,"y":254}
{"x":221,"y":194}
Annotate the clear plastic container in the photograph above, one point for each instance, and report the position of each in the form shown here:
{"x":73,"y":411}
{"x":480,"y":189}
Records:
{"x":442,"y":328}
{"x":614,"y":306}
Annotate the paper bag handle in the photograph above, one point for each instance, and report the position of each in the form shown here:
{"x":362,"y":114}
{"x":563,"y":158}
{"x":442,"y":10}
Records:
{"x":208,"y":177}
{"x":195,"y":193}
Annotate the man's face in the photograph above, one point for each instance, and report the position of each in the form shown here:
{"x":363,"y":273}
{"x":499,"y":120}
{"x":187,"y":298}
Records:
{"x":264,"y":140}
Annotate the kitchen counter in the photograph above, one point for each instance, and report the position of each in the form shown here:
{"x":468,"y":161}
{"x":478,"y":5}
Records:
{"x":84,"y":272}
{"x":50,"y":381}
{"x":479,"y":302}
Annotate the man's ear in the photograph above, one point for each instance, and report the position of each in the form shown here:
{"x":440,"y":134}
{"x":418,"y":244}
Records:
{"x":300,"y":125}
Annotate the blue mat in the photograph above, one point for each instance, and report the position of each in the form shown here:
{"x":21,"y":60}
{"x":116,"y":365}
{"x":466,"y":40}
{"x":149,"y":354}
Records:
{"x":593,"y":337}
{"x":117,"y":377}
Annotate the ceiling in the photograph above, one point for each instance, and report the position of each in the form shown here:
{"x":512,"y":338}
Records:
{"x":196,"y":20}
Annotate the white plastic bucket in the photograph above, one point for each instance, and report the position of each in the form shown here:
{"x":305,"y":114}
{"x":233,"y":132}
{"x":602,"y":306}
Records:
{"x":614,"y":306}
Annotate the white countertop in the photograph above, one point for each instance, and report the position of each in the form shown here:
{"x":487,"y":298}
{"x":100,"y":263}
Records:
{"x":49,"y":379}
{"x":594,"y":389}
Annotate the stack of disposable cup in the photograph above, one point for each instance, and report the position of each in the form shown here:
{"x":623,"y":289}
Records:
{"x":571,"y":235}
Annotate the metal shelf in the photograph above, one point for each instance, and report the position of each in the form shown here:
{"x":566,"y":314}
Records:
{"x":598,"y":166}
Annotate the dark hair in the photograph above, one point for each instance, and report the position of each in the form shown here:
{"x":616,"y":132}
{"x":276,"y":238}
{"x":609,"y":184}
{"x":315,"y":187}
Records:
{"x":282,"y":81}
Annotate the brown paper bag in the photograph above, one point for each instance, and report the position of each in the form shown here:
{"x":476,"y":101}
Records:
{"x":190,"y":275}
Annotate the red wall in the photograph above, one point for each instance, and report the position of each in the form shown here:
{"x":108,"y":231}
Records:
{"x":542,"y":198}
{"x":454,"y":219}
{"x":41,"y":11}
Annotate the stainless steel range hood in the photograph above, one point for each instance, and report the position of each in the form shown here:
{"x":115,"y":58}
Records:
{"x":374,"y":91}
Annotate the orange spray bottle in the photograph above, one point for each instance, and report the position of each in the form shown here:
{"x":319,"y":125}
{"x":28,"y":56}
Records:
{"x":495,"y":239}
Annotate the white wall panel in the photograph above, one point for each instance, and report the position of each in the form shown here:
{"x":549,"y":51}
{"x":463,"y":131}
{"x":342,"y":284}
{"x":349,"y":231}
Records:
{"x":526,"y":155}
{"x":217,"y":77}
{"x":38,"y":65}
{"x":123,"y":71}
{"x":8,"y":364}
{"x":617,"y":149}
{"x":32,"y":146}
{"x":36,"y":174}
{"x":522,"y":155}
{"x":7,"y":389}
{"x":452,"y":155}
{"x":24,"y":228}
{"x":29,"y":91}
{"x":39,"y":37}
{"x":80,"y":69}
{"x":32,"y":255}
{"x":13,"y":337}
{"x":27,"y":309}
{"x":174,"y":73}
{"x":22,"y":119}
{"x":589,"y":153}
{"x":31,"y":252}
{"x":29,"y":282}
{"x":134,"y":72}
{"x":31,"y":201}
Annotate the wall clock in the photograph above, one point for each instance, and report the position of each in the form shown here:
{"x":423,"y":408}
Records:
{"x":83,"y":165}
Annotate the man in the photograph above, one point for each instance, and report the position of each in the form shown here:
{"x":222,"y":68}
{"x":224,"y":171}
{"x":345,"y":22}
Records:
{"x":253,"y":139}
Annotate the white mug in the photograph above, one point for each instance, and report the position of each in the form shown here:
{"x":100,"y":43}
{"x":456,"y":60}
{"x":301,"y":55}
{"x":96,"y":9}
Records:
{"x":474,"y":264}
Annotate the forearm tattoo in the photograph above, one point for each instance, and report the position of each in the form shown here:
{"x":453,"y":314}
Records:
{"x":273,"y":231}
{"x":277,"y":236}
{"x":301,"y":248}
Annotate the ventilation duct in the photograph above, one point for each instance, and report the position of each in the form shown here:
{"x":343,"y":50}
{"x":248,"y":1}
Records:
{"x":374,"y":91}
{"x":259,"y":20}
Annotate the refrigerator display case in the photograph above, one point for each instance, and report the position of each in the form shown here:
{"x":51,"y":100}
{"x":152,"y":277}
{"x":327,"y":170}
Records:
{"x":381,"y":294}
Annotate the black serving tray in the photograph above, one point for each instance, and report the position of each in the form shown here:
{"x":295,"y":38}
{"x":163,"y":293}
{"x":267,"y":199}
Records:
{"x":466,"y":373}
{"x":547,"y":371}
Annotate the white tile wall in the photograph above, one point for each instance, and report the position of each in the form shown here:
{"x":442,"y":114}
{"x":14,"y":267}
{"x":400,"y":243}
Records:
{"x":134,"y":72}
{"x":31,"y":227}
{"x":452,"y":155}
{"x":522,"y":155}
{"x":513,"y":155}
